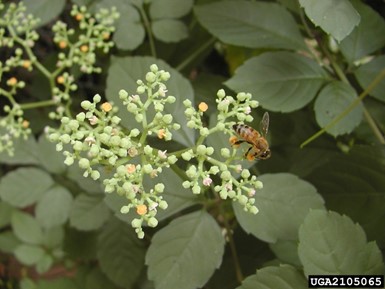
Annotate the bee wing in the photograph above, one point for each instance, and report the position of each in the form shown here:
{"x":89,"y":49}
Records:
{"x":265,"y":124}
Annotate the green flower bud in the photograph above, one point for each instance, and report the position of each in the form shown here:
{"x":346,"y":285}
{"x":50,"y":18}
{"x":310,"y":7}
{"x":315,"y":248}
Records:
{"x":221,"y":126}
{"x":140,"y":234}
{"x":214,"y":170}
{"x":209,"y":151}
{"x":204,"y":131}
{"x":69,"y":160}
{"x":172,"y":159}
{"x":254,"y":210}
{"x":249,"y":118}
{"x":226,"y":175}
{"x":258,"y":185}
{"x":186,"y":184}
{"x":187,"y":103}
{"x":167,"y":118}
{"x":121,"y":170}
{"x":223,"y":194}
{"x":241,"y":116}
{"x":147,"y":168}
{"x":150,"y":77}
{"x":152,"y":222}
{"x":191,"y":124}
{"x":154,"y":68}
{"x":165,"y":76}
{"x":140,"y":89}
{"x":241,"y":96}
{"x":170,"y":99}
{"x":221,"y":93}
{"x":148,"y":150}
{"x":245,"y":174}
{"x":134,"y":132}
{"x":196,"y":190}
{"x":136,"y":223}
{"x":225,"y":152}
{"x":65,"y":120}
{"x":125,"y":209}
{"x":84,"y":163}
{"x":65,"y":138}
{"x":242,"y":200}
{"x":191,"y":172}
{"x":187,"y":155}
{"x":95,"y":175}
{"x":104,"y":138}
{"x":115,"y":119}
{"x":189,"y":111}
{"x":201,"y":149}
{"x":115,"y":140}
{"x":254,"y":103}
{"x":81,"y":116}
{"x":97,"y":98}
{"x":163,"y":205}
{"x":159,"y":188}
{"x":123,"y":94}
{"x":139,"y":117}
{"x":231,"y":194}
{"x":77,"y":146}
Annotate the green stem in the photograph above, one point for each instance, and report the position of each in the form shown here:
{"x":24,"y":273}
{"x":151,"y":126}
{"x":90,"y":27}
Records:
{"x":147,"y":26}
{"x":37,"y":104}
{"x":368,"y":89}
{"x":195,"y":54}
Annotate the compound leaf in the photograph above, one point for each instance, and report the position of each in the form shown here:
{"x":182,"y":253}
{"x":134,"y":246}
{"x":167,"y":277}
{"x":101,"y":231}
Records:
{"x":26,"y":228}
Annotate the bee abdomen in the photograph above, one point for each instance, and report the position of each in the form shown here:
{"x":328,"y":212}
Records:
{"x":241,"y":129}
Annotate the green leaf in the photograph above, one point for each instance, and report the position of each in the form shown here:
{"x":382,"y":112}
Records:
{"x":58,"y":283}
{"x":8,"y":242}
{"x":366,"y":73}
{"x":331,"y":102}
{"x":282,"y":277}
{"x":26,"y":228}
{"x":123,"y":74}
{"x":87,"y":184}
{"x":45,"y":10}
{"x":53,"y":237}
{"x":54,"y":207}
{"x":24,"y":186}
{"x":251,"y":24}
{"x":97,"y":280}
{"x":353,"y":184}
{"x":280,"y":81}
{"x":88,"y":212}
{"x":337,"y":18}
{"x":332,"y":244}
{"x":128,"y":35}
{"x":169,"y":30}
{"x":48,"y":157}
{"x":44,"y":264}
{"x":29,"y":254}
{"x":160,"y":9}
{"x":286,"y":251}
{"x":185,"y":253}
{"x":5,"y":214}
{"x":120,"y":253}
{"x":25,"y":152}
{"x":80,"y":245}
{"x":283,"y":203}
{"x":367,"y":37}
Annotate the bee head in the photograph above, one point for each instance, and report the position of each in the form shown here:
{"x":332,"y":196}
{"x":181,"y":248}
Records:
{"x":265,"y":155}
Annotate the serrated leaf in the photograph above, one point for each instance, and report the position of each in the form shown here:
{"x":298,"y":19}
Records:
{"x":26,"y":228}
{"x":332,"y":244}
{"x":286,"y":251}
{"x":29,"y":254}
{"x":367,"y":37}
{"x":45,"y":10}
{"x":88,"y":212}
{"x":54,"y":207}
{"x":24,"y":186}
{"x":170,"y":8}
{"x":251,"y":24}
{"x":120,"y":253}
{"x":185,"y":253}
{"x":123,"y":74}
{"x":282,"y":277}
{"x":283,"y":203}
{"x":337,"y":18}
{"x":280,"y":81}
{"x":169,"y":30}
{"x":353,"y":184}
{"x":331,"y":102}
{"x":48,"y":157}
{"x":366,"y":73}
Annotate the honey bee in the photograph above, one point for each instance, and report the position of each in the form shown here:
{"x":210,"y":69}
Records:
{"x":259,"y":146}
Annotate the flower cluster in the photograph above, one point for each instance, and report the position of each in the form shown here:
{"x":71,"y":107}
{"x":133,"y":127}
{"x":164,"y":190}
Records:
{"x":95,"y":139}
{"x":18,"y":29}
{"x":225,"y":164}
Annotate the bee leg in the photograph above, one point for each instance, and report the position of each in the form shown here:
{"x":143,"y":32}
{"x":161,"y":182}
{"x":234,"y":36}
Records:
{"x":238,"y":142}
{"x":247,"y":152}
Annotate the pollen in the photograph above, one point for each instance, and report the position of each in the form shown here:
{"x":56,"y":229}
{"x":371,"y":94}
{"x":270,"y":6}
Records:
{"x":106,"y":107}
{"x":60,"y":79}
{"x":63,"y":44}
{"x":12,"y":81}
{"x":131,"y":168}
{"x":106,"y":35}
{"x":203,"y":106}
{"x":25,"y":124}
{"x":79,"y":16}
{"x":26,"y":64}
{"x":84,"y":48}
{"x":233,"y":140}
{"x":161,"y":133}
{"x":141,"y":209}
